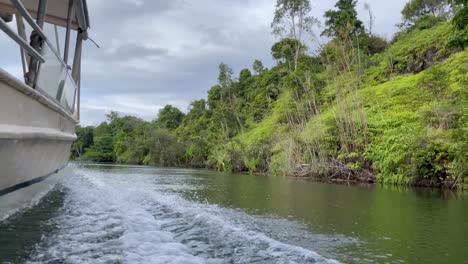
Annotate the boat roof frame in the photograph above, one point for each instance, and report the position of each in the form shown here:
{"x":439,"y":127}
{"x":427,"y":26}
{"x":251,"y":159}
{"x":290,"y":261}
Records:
{"x":81,"y":20}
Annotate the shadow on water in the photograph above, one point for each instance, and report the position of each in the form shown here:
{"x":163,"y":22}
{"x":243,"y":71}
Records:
{"x":21,"y":232}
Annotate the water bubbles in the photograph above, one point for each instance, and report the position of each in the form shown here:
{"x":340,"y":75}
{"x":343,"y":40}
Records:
{"x":130,"y":217}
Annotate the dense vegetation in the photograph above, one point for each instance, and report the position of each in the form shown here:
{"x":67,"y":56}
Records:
{"x":361,"y":109}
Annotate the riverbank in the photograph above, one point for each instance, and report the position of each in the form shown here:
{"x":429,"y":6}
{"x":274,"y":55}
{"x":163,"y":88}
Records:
{"x":367,"y":179}
{"x":340,"y":173}
{"x":303,"y":172}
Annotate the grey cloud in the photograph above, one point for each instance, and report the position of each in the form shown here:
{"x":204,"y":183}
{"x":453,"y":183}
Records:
{"x":159,"y":52}
{"x":116,"y":11}
{"x":134,"y":50}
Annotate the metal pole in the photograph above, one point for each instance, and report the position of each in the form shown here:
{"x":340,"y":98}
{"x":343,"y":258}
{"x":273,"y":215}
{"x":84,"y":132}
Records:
{"x":77,"y":56}
{"x":20,"y":41}
{"x":57,"y":38}
{"x":37,"y":42}
{"x":67,"y":34}
{"x":41,"y":13}
{"x":78,"y":98}
{"x":24,"y":13}
{"x":76,"y":70}
{"x":22,"y":33}
{"x":20,"y":27}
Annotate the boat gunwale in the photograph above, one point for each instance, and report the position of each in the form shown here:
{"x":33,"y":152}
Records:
{"x":13,"y":82}
{"x":9,"y":132}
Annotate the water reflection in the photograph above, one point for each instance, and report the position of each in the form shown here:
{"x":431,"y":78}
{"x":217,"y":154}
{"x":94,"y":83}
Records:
{"x":397,"y":224}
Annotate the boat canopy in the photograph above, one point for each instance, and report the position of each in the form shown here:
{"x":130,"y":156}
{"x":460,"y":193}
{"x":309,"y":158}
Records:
{"x":56,"y":12}
{"x":46,"y":67}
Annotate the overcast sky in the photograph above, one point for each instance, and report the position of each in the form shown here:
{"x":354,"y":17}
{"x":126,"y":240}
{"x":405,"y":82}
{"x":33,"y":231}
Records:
{"x":162,"y":52}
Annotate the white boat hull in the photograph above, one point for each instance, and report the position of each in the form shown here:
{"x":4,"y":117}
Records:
{"x":35,"y":139}
{"x":23,"y":198}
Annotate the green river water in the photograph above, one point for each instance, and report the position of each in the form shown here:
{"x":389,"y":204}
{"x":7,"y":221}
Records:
{"x":118,"y":214}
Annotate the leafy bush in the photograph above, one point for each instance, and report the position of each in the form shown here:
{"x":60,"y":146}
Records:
{"x":431,"y":159}
{"x":459,"y":37}
{"x":164,"y":150}
{"x":375,"y":44}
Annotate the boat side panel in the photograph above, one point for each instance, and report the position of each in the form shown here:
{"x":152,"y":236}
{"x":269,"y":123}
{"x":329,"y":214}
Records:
{"x":22,"y":106}
{"x":23,"y":160}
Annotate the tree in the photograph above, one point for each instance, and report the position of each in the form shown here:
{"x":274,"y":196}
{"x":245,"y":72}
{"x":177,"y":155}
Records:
{"x":83,"y":141}
{"x":258,"y":67}
{"x":195,"y":135}
{"x":113,"y":115}
{"x":164,"y":150}
{"x":228,"y":100}
{"x":343,"y":22}
{"x":244,"y":77}
{"x":128,"y":137}
{"x":415,"y":9}
{"x":197,"y":108}
{"x":293,"y":18}
{"x":102,"y":150}
{"x":214,"y":97}
{"x":371,"y":16}
{"x":286,"y":50}
{"x":169,"y":117}
{"x":222,"y":100}
{"x":225,"y":75}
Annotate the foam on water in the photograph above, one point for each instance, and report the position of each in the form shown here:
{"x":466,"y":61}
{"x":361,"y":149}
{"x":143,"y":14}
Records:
{"x":141,"y":218}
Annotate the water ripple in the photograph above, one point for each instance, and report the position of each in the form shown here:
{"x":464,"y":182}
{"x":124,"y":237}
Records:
{"x":108,"y":218}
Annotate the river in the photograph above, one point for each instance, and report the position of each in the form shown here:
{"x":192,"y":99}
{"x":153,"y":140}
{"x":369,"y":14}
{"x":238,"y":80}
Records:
{"x":119,"y":214}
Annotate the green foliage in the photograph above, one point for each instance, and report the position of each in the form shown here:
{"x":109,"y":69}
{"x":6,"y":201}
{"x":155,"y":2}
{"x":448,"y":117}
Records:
{"x":169,"y":117}
{"x":163,"y":149}
{"x":102,"y":149}
{"x":292,"y":17}
{"x":84,"y":141}
{"x":225,"y":75}
{"x":195,"y":132}
{"x":282,"y":156}
{"x":459,"y":37}
{"x":291,"y":22}
{"x":130,"y":140}
{"x":244,"y":75}
{"x":285,"y":50}
{"x":410,"y":52}
{"x":414,"y":133}
{"x":343,"y":21}
{"x":258,"y":67}
{"x":431,"y":159}
{"x":415,"y":9}
{"x":374,"y":44}
{"x":427,"y":22}
{"x":436,"y":80}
